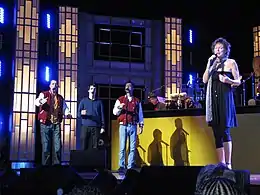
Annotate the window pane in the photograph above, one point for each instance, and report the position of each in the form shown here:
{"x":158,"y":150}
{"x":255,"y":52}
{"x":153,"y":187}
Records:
{"x":136,"y":52}
{"x":120,"y":50}
{"x":121,"y":37}
{"x":117,"y":91}
{"x":103,"y":92}
{"x":136,"y":38}
{"x":104,"y":35}
{"x":104,"y":49}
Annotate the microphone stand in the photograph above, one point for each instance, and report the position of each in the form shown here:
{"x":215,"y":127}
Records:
{"x":143,"y":150}
{"x":157,"y":89}
{"x":244,"y":88}
{"x":163,"y":142}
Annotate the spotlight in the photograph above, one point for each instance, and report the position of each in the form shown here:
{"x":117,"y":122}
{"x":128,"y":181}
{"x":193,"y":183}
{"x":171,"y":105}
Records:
{"x":2,"y":15}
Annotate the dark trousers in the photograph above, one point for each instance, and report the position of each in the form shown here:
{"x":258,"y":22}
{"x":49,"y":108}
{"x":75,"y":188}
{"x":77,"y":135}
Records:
{"x":89,"y":137}
{"x":51,"y":144}
{"x":221,"y":135}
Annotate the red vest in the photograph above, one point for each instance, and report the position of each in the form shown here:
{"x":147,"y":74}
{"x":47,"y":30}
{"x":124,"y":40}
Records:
{"x":130,"y":111}
{"x":45,"y":110}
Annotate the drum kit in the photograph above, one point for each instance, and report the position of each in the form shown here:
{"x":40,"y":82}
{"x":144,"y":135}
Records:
{"x":179,"y":101}
{"x":192,"y":96}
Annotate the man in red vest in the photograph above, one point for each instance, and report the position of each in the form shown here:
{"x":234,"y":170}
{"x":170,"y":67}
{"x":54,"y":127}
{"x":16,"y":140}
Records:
{"x":52,"y":108}
{"x":128,"y":110}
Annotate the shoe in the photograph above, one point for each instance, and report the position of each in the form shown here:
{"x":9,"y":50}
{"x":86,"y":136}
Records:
{"x":229,"y":166}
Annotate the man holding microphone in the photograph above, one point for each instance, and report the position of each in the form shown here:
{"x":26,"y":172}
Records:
{"x":128,"y":110}
{"x":92,"y":119}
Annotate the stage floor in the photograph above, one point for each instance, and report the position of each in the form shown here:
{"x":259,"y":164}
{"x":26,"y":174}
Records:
{"x":254,"y":178}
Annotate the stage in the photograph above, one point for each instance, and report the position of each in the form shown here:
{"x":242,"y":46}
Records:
{"x":67,"y":177}
{"x":89,"y":175}
{"x":254,"y":178}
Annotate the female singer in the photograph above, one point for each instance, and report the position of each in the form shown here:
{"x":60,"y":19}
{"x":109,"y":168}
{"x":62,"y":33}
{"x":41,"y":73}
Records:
{"x":221,"y":75}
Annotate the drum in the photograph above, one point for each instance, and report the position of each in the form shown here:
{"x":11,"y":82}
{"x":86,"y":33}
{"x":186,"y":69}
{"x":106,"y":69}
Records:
{"x":189,"y":103}
{"x":171,"y":104}
{"x":175,"y":104}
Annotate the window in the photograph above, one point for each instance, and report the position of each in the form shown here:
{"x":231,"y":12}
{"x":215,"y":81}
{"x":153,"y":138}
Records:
{"x":119,"y":43}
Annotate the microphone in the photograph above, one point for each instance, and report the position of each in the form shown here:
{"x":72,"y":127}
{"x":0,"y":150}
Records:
{"x":213,"y":60}
{"x":164,"y":143}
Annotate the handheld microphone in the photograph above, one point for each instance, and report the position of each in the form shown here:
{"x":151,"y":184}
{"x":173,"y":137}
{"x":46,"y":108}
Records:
{"x":213,"y":59}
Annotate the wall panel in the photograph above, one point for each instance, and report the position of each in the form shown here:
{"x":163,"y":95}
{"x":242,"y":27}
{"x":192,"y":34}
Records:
{"x":256,"y":60}
{"x":68,"y":67}
{"x":26,"y":61}
{"x":173,"y":56}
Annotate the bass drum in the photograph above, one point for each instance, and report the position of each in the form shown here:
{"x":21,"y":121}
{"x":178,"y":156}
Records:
{"x":175,"y":104}
{"x":171,"y":104}
{"x":189,"y":103}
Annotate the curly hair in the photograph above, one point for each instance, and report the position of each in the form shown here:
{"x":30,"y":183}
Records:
{"x":225,"y":43}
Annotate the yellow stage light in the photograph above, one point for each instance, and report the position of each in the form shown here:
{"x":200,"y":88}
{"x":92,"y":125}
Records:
{"x":173,"y":56}
{"x":68,"y":67}
{"x":26,"y":61}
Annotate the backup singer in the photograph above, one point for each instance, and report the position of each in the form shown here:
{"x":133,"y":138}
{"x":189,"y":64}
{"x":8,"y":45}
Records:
{"x":221,"y":75}
{"x":92,"y":119}
{"x":52,"y":108}
{"x":128,"y":110}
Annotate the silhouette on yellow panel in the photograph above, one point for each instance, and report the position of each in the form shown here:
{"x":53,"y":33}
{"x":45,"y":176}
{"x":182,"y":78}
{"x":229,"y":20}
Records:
{"x":178,"y":145}
{"x":155,"y":149}
{"x":139,"y":161}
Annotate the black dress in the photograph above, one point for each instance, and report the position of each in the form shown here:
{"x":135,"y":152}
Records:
{"x":223,"y":104}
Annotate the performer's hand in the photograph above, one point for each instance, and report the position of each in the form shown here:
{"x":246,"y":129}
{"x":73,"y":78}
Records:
{"x":43,"y":101}
{"x":234,"y":85}
{"x":210,"y":60}
{"x":212,"y":57}
{"x":121,"y":105}
{"x":83,"y":112}
{"x":140,"y":130}
{"x":223,"y":78}
{"x":102,"y":130}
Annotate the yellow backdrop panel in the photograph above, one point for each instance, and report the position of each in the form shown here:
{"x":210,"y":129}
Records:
{"x":170,"y":141}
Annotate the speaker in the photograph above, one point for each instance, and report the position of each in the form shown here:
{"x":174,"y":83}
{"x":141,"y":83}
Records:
{"x":168,"y":180}
{"x":47,"y":180}
{"x":89,"y":160}
{"x":9,"y":181}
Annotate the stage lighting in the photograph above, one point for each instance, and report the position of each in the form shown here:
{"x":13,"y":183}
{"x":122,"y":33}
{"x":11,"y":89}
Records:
{"x":190,"y":36}
{"x":47,"y":74}
{"x":1,"y":123}
{"x":190,"y":79}
{"x":0,"y":68}
{"x":48,"y":21}
{"x":2,"y":15}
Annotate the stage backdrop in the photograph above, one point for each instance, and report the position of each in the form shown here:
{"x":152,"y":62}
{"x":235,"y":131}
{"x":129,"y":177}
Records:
{"x":189,"y":141}
{"x":169,"y":141}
